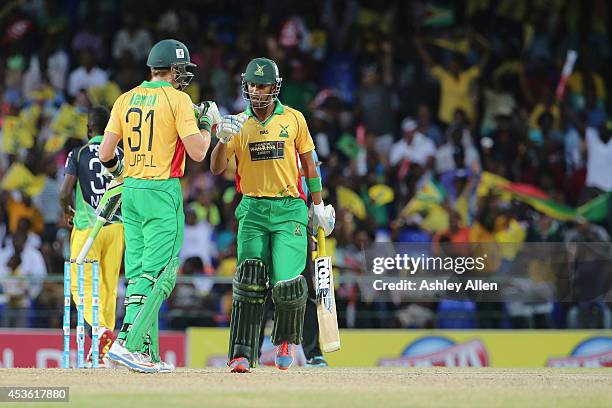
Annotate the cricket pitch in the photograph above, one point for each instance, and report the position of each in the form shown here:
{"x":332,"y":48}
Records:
{"x":325,"y":387}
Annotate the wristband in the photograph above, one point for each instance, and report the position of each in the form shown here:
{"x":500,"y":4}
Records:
{"x":314,"y":184}
{"x":111,"y":163}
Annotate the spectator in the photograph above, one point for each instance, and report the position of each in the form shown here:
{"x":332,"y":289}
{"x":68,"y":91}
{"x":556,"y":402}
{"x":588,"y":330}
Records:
{"x":88,"y":74}
{"x":22,"y":207}
{"x":458,"y":152}
{"x":89,"y":39}
{"x":48,"y":201}
{"x":199,"y":237}
{"x":186,"y":300}
{"x":22,"y":270}
{"x":455,"y":84}
{"x":375,"y":107}
{"x":599,"y":156}
{"x":298,"y":91}
{"x":413,"y":147}
{"x":132,"y":40}
{"x":427,"y":127}
{"x":591,"y":275}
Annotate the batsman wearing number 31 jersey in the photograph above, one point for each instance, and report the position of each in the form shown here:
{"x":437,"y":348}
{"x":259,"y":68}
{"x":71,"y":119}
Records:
{"x":272,"y":216}
{"x":157,"y":124}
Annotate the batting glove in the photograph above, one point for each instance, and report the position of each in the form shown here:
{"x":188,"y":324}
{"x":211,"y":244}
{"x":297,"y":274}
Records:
{"x":230,"y":126}
{"x":323,"y":216}
{"x":114,"y":172}
{"x":207,"y":115}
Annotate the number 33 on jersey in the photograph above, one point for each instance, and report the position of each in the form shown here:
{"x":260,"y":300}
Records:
{"x":152,"y":119}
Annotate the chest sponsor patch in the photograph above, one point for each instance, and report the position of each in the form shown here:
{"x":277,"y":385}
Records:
{"x":267,"y":150}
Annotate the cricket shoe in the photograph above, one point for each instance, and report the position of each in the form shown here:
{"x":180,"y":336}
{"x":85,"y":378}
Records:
{"x":134,"y":361}
{"x":316,"y":361}
{"x":284,"y":355}
{"x":165,"y":367}
{"x":105,"y":342}
{"x":162,"y":366}
{"x":239,"y":365}
{"x":108,"y":363}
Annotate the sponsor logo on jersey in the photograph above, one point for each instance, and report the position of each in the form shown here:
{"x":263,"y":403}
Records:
{"x":267,"y":150}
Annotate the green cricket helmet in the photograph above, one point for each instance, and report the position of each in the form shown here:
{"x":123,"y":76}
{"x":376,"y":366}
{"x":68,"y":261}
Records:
{"x":261,"y":71}
{"x":172,"y":54}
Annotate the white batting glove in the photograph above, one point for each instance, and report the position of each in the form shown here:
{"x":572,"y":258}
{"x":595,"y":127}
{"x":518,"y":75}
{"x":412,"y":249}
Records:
{"x":230,"y":125}
{"x":323,"y":216}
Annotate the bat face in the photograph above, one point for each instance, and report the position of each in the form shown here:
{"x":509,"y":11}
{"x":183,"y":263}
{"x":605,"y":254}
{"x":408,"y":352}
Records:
{"x":323,"y":289}
{"x":329,"y":336}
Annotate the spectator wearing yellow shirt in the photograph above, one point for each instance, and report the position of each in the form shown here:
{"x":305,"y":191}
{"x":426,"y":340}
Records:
{"x":18,"y":209}
{"x":455,"y":84}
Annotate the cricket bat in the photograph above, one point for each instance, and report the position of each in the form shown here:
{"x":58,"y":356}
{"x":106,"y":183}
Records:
{"x":329,"y":336}
{"x":109,"y":203}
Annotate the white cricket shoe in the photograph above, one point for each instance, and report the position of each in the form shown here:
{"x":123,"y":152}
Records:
{"x":165,"y":367}
{"x":108,"y":363}
{"x":134,"y":361}
{"x":162,"y":365}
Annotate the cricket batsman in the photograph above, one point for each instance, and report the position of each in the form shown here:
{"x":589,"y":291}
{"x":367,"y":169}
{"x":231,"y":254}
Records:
{"x":272,"y":216}
{"x":156,"y":122}
{"x":84,"y":178}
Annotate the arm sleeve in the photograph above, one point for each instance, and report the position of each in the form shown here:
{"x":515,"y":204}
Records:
{"x":71,"y":166}
{"x":114,"y":123}
{"x":303,"y":140}
{"x":185,"y":119}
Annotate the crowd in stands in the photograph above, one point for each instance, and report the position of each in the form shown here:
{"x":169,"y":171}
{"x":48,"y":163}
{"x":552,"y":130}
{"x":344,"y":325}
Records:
{"x":400,"y":98}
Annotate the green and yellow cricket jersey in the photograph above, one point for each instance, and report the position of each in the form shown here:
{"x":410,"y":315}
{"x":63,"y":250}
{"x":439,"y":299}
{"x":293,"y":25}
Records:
{"x":267,"y":153}
{"x":152,"y":118}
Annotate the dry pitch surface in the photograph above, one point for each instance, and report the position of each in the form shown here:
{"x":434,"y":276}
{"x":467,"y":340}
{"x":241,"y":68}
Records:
{"x":316,"y":388}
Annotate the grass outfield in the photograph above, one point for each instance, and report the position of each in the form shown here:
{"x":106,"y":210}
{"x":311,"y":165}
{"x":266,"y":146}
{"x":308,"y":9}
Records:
{"x":315,"y":388}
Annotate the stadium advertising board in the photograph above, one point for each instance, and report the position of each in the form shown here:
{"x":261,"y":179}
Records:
{"x":445,"y":348}
{"x":43,"y":348}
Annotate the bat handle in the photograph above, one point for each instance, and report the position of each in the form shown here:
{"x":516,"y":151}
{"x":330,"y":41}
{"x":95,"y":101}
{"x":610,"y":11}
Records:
{"x":321,"y":242}
{"x":84,"y":250}
{"x":90,"y":240}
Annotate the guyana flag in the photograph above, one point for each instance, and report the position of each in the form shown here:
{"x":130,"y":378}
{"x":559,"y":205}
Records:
{"x":438,"y":15}
{"x":595,"y":210}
